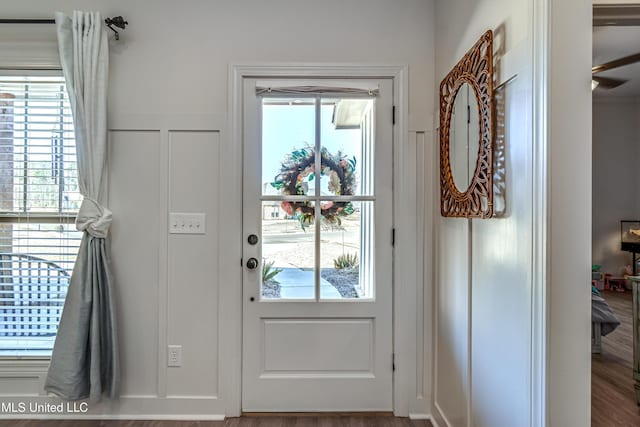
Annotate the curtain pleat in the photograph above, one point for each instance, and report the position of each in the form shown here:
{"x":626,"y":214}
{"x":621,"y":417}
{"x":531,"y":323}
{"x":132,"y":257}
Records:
{"x":84,"y":362}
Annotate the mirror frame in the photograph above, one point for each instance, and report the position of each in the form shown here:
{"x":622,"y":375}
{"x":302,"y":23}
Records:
{"x":475,"y":68}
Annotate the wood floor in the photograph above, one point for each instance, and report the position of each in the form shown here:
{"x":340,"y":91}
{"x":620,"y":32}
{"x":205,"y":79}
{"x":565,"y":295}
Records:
{"x":612,"y":396}
{"x":262,"y":421}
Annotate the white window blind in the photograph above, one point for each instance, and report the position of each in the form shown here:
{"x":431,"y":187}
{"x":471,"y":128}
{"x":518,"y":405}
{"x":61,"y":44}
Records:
{"x":39,"y":199}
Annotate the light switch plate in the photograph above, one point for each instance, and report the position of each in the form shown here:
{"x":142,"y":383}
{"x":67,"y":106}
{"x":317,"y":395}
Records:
{"x":187,"y":223}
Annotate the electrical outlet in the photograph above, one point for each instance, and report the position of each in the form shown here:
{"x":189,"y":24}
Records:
{"x":187,"y":223}
{"x":174,"y":355}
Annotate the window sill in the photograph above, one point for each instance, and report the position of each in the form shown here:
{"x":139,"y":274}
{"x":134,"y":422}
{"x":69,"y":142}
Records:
{"x":11,"y":365}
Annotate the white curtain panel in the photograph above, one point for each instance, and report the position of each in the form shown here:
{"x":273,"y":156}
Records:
{"x":84,"y":363}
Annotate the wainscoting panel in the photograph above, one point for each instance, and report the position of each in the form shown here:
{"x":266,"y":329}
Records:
{"x":134,"y":194}
{"x":193,"y":263}
{"x":421,"y":166}
{"x":502,"y":273}
{"x":452,"y":344}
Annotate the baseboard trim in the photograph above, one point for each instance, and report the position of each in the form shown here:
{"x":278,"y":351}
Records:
{"x":419,"y":416}
{"x":318,"y":414}
{"x":438,"y":415}
{"x":124,"y":408}
{"x":429,"y":417}
{"x":150,"y":417}
{"x":434,"y":423}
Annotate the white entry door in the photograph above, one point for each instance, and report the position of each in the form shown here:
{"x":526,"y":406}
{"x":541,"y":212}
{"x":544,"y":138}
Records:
{"x":317,"y":246}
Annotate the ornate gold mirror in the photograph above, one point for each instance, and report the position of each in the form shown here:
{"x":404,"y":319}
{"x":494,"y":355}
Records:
{"x":466,"y":134}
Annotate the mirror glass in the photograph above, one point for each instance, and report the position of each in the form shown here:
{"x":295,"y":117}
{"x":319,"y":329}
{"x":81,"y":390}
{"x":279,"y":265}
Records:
{"x":464,"y":137}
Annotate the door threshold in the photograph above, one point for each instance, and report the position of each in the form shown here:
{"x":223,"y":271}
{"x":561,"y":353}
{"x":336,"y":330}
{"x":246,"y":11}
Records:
{"x":317,"y":414}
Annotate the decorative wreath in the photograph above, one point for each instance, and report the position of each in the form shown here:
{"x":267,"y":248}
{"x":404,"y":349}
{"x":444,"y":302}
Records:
{"x":301,"y":164}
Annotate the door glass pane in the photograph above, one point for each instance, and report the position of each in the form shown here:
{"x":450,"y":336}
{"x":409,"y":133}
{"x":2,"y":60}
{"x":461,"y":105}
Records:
{"x":346,"y":255}
{"x":288,"y":136}
{"x":347,"y":147}
{"x":288,"y":250}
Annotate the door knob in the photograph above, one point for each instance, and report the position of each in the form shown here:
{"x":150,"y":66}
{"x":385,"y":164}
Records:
{"x":252,"y":263}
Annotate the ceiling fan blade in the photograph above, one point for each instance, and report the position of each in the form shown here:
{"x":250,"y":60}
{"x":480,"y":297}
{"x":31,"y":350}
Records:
{"x":617,"y":63}
{"x":608,"y":83}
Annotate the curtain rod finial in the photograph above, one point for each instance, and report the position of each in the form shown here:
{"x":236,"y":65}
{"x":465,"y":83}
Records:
{"x":119,"y":22}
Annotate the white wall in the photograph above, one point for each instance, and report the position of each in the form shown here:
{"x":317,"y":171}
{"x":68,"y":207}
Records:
{"x":483,"y":306}
{"x":616,"y":187}
{"x":511,"y":337}
{"x":168,"y":120}
{"x":568,"y":241}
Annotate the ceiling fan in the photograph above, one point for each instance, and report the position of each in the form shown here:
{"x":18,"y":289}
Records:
{"x":607,"y":82}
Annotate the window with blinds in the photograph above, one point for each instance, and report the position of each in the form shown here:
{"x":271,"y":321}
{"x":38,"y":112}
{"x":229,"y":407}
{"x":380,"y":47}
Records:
{"x":39,"y":199}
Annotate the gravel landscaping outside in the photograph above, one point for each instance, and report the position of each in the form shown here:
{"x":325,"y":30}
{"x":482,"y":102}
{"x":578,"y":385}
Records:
{"x":270,"y":289}
{"x":345,"y":280}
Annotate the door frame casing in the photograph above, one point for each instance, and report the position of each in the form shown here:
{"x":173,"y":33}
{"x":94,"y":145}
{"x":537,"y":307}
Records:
{"x":230,"y":241}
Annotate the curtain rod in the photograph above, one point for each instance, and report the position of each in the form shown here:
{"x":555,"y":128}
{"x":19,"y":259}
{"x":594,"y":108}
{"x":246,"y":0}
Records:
{"x":117,"y":21}
{"x":27,"y":21}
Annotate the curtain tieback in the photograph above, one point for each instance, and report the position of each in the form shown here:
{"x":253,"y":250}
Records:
{"x":93,"y":218}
